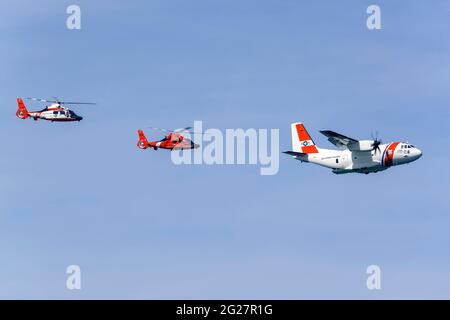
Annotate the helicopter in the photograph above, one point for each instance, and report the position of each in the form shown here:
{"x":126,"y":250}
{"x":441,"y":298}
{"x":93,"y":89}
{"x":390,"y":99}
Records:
{"x":174,"y":140}
{"x":54,"y":112}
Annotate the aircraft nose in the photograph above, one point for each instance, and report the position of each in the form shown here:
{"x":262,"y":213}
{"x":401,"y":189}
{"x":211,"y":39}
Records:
{"x":417,"y":153}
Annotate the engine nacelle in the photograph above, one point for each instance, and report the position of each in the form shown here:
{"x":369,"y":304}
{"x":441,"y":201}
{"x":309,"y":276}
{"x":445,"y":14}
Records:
{"x":362,"y":145}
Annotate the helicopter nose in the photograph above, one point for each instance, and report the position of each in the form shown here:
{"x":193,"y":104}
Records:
{"x":80,"y":118}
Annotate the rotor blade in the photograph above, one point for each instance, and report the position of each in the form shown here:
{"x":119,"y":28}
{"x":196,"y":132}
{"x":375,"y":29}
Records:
{"x":57,"y":101}
{"x":69,"y":102}
{"x":172,"y":131}
{"x":192,"y":132}
{"x":42,"y":100}
{"x":161,"y":129}
{"x":181,"y":129}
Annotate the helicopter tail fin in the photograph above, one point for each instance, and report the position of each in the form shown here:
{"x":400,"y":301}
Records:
{"x":143,"y":142}
{"x":22,"y":111}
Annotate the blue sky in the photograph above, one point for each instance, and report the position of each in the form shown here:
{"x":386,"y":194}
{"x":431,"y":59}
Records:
{"x":141,"y":227}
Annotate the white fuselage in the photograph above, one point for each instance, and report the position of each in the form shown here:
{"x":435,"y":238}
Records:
{"x":55,"y":112}
{"x":345,"y":161}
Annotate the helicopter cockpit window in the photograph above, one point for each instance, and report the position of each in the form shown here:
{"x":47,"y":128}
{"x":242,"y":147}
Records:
{"x":55,"y":112}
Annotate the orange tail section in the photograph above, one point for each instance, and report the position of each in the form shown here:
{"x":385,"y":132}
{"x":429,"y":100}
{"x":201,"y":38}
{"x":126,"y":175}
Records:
{"x":143,"y":142}
{"x":301,"y":140}
{"x":22,"y":111}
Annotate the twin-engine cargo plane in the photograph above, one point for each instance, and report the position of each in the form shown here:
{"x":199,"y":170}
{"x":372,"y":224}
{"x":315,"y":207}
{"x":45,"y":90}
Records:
{"x":174,"y":140}
{"x":362,"y":156}
{"x":56,"y":111}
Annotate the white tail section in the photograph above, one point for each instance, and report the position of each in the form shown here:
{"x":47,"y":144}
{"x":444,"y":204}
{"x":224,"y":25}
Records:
{"x":301,"y":140}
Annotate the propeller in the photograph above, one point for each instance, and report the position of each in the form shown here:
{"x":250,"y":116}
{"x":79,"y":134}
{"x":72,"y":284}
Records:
{"x":376,"y":143}
{"x":58,"y":101}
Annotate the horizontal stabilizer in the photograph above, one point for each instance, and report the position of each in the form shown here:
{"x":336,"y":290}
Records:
{"x":295,"y":154}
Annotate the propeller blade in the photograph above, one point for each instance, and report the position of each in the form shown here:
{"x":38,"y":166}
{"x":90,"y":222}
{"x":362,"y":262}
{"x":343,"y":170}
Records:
{"x":376,"y":144}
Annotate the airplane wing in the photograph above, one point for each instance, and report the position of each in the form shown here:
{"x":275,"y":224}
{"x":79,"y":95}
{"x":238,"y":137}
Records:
{"x":339,"y":140}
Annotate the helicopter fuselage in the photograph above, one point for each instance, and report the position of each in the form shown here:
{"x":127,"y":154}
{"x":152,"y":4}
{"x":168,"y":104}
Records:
{"x":53,"y":112}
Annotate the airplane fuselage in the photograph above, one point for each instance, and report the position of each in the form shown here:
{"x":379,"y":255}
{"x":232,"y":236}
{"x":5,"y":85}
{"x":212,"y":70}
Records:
{"x":346,"y":161}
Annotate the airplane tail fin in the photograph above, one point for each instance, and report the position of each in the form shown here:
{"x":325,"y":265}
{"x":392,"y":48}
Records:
{"x":301,"y":140}
{"x":22,"y":111}
{"x":143,"y":142}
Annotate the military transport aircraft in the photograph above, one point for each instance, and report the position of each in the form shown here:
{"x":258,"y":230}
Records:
{"x":54,"y":112}
{"x":174,"y":140}
{"x":362,"y":156}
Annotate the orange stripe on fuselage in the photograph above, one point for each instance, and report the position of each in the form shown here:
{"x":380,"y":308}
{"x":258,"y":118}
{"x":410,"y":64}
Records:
{"x":389,"y":156}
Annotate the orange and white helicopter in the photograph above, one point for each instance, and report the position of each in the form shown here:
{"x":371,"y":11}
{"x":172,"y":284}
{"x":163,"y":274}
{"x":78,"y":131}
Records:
{"x":54,"y":112}
{"x":174,"y":140}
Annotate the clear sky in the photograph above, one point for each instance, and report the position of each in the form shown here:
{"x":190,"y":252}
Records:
{"x":141,"y":227}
